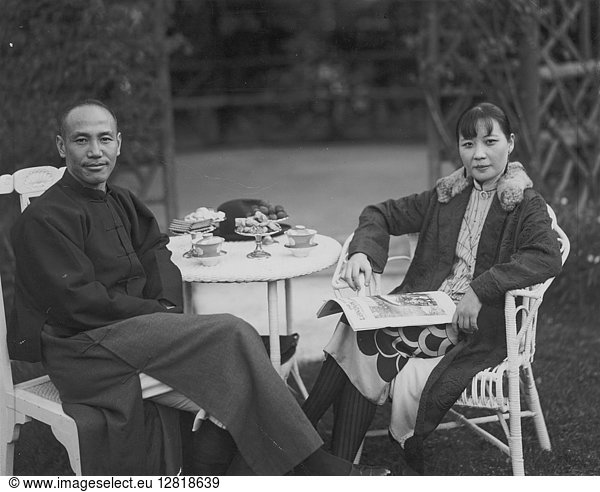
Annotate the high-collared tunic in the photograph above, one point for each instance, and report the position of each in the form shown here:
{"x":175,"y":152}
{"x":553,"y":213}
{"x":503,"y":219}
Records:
{"x":457,"y":283}
{"x":93,"y":275}
{"x":86,"y":259}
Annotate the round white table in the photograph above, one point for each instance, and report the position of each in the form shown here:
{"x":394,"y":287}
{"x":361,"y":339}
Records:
{"x":235,"y":267}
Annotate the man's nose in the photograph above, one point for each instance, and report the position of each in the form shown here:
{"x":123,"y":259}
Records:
{"x":94,"y":149}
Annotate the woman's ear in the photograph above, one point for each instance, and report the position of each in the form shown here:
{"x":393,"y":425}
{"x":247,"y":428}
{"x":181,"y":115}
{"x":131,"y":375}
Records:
{"x":511,"y":143}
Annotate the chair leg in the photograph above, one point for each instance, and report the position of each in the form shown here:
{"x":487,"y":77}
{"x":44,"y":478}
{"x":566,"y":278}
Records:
{"x":295,"y":372}
{"x":533,"y":401}
{"x":7,"y":454}
{"x":515,"y":441}
{"x":9,"y":434}
{"x":69,"y":438}
{"x":359,"y":453}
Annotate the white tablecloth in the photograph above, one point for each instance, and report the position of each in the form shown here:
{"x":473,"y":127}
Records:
{"x":236,"y":267}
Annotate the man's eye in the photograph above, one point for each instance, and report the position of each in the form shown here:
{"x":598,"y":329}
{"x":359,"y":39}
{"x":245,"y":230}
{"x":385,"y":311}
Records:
{"x":81,"y":141}
{"x":106,"y":140}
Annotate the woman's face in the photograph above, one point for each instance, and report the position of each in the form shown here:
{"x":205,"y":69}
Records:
{"x":485,"y":156}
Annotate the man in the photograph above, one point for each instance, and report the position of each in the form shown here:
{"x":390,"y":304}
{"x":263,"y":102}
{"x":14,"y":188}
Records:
{"x":99,"y":302}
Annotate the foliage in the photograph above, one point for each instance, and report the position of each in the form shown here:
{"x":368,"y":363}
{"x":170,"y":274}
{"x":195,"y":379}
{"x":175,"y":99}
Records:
{"x":57,"y":52}
{"x":324,"y":67}
{"x":577,"y":288}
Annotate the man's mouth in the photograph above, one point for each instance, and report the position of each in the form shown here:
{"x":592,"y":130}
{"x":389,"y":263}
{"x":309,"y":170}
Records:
{"x":96,"y":165}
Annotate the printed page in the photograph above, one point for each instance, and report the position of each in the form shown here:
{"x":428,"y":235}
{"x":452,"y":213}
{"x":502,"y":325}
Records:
{"x":410,"y":309}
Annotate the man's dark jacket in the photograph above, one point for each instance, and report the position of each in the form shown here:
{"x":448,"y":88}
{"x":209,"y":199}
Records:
{"x":102,"y":251}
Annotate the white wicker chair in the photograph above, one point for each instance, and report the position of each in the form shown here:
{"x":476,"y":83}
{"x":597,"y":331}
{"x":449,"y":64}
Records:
{"x":37,"y":398}
{"x":487,"y":390}
{"x":33,"y":181}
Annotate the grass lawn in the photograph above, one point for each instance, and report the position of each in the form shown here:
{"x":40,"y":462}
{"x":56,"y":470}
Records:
{"x":567,"y":370}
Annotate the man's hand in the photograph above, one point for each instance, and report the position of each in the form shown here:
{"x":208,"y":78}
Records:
{"x":168,"y":305}
{"x":357,"y":272}
{"x":467,"y":310}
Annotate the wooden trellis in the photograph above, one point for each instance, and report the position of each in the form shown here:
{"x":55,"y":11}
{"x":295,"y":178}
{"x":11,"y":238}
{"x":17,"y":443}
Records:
{"x":570,"y":103}
{"x":547,"y":74}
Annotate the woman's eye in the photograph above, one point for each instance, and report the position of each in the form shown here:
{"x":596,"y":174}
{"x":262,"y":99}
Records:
{"x":491,"y":141}
{"x":467,"y":145}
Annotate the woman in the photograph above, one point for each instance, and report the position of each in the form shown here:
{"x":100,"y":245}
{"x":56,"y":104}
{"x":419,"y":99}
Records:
{"x":483,"y":231}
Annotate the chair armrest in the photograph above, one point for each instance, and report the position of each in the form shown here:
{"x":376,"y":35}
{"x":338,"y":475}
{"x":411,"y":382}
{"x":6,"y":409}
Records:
{"x":520,"y":312}
{"x":6,"y":184}
{"x":533,"y":292}
{"x":336,"y":280}
{"x":374,"y":288}
{"x":339,"y":284}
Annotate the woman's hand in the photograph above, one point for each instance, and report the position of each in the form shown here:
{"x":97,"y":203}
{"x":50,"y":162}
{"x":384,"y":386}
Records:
{"x":357,"y":271}
{"x":467,"y":310}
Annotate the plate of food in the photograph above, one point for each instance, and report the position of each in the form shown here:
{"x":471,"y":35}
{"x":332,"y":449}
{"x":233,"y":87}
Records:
{"x":273,"y":212}
{"x":247,"y":207}
{"x":257,"y":226}
{"x":203,"y":219}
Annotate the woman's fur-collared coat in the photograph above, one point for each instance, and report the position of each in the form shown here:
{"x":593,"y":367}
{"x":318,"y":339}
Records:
{"x":518,"y":248}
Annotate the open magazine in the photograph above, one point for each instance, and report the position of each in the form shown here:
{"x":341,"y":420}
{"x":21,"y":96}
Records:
{"x":410,"y":309}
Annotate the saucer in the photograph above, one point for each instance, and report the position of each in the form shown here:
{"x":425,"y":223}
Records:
{"x":301,"y":247}
{"x":300,"y":251}
{"x":192,"y":254}
{"x":211,"y":260}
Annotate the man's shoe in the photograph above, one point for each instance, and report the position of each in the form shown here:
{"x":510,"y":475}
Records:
{"x":369,"y":471}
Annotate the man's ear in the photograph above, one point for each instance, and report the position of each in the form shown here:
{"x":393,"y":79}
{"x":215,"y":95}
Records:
{"x":119,"y":142}
{"x":60,"y":145}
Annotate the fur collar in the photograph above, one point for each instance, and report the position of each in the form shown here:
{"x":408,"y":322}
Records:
{"x":510,"y":186}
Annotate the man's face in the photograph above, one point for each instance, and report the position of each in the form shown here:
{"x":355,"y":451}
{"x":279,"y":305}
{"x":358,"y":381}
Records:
{"x":90,"y":145}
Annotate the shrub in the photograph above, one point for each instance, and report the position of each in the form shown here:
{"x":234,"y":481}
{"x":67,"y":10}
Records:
{"x":56,"y":52}
{"x":577,"y":289}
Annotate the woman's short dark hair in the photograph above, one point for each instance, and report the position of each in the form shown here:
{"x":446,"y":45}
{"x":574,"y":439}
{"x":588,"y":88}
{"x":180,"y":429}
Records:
{"x":85,"y":102}
{"x":486,"y":112}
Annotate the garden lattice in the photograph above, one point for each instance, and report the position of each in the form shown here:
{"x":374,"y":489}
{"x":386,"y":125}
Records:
{"x":473,"y":52}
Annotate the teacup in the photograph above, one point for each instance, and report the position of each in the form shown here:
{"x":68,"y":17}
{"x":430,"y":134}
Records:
{"x":300,"y":237}
{"x":208,"y":246}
